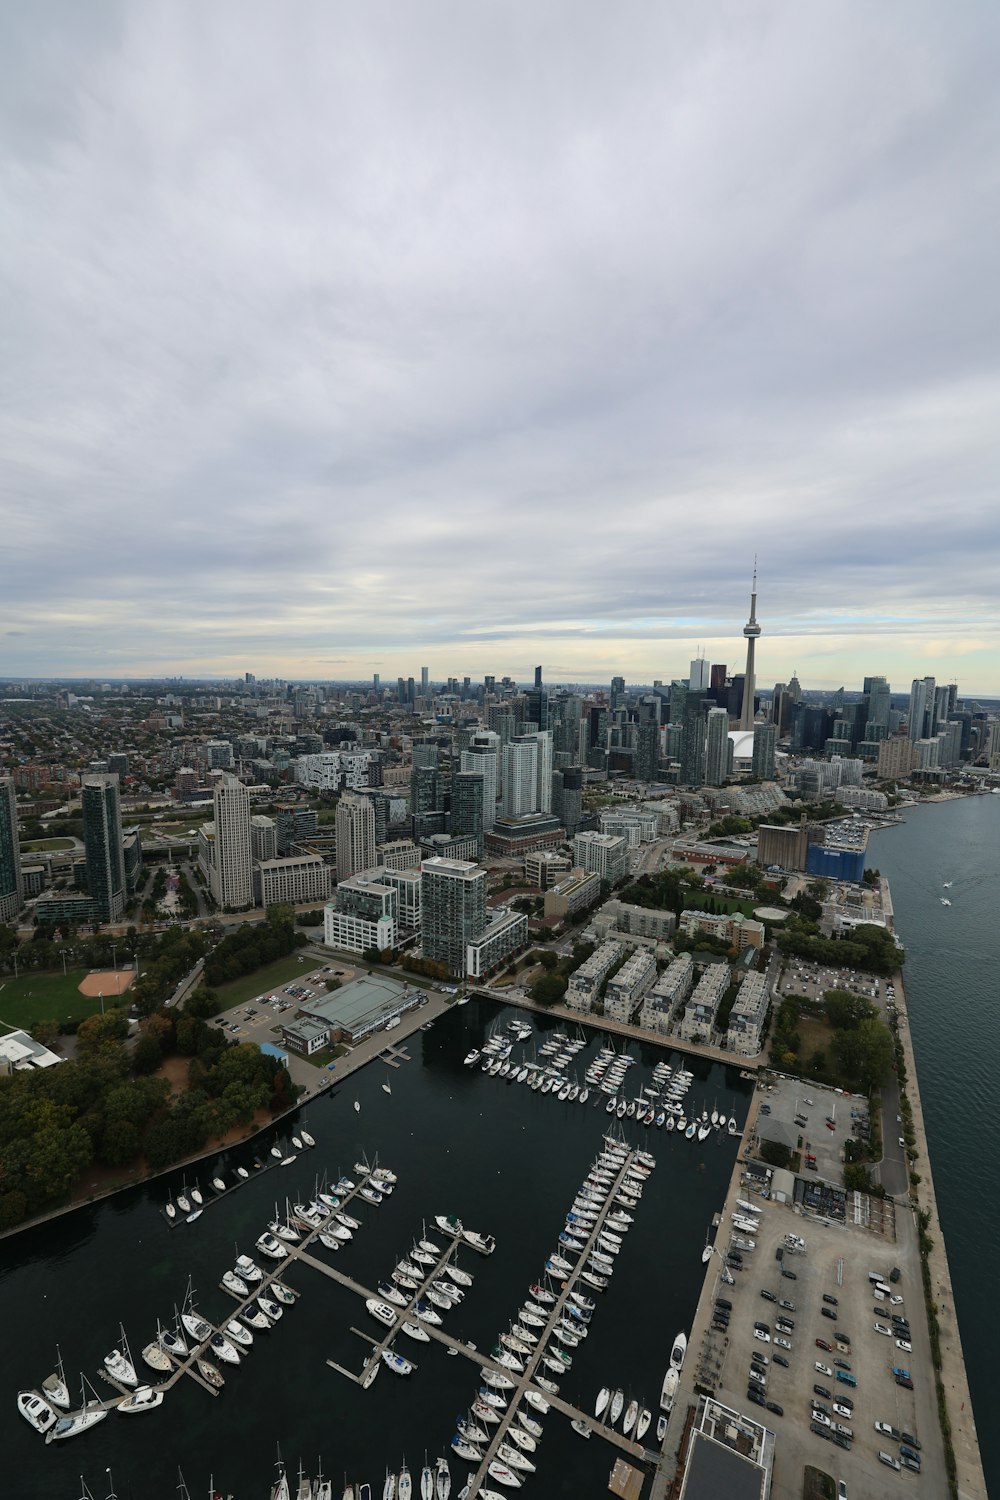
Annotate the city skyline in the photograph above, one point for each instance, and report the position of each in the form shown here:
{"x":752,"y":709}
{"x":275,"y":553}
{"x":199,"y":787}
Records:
{"x":377,"y":337}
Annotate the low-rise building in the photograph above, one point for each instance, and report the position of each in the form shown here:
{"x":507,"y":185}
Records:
{"x":305,"y":1036}
{"x":639,"y":921}
{"x":506,"y":932}
{"x":749,"y":1016}
{"x":585,"y":982}
{"x":576,"y":892}
{"x":360,"y":1007}
{"x":544,"y":869}
{"x":625,"y":991}
{"x":698,"y":1021}
{"x":363,"y":915}
{"x":730,"y":927}
{"x":667,"y":996}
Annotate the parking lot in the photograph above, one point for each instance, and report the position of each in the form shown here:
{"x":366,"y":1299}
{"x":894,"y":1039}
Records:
{"x":815,"y":1120}
{"x":259,"y":1020}
{"x":825,"y":1397}
{"x":813,"y":981}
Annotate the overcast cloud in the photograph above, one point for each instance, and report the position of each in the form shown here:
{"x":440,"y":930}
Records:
{"x":340,"y":338}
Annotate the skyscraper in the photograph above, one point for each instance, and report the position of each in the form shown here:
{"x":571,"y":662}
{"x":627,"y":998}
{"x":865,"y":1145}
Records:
{"x":764,"y":738}
{"x":520,"y":776}
{"x":917,"y":715}
{"x":717,"y":751}
{"x":11,"y":888}
{"x":232,"y":867}
{"x":424,"y":681}
{"x":355,"y":835}
{"x":452,"y":909}
{"x":102,"y":842}
{"x":482,"y":756}
{"x":467,"y":788}
{"x":751,"y":630}
{"x":700,"y":675}
{"x":692,"y":772}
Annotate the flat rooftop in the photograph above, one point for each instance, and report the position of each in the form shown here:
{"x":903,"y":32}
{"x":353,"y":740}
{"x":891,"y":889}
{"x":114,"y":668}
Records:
{"x":356,"y":1001}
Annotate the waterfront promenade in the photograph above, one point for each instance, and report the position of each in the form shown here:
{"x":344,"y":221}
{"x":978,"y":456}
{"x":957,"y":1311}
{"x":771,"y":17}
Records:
{"x":965,"y":1440}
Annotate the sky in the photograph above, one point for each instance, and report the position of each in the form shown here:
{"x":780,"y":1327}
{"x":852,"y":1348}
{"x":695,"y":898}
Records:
{"x":341,"y":339}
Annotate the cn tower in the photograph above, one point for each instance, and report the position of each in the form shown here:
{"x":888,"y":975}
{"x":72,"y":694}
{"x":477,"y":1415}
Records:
{"x":751,"y":630}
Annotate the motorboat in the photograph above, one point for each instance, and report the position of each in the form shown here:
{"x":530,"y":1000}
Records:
{"x":661,"y":1429}
{"x":248,"y":1269}
{"x":449,"y":1224}
{"x":222,"y":1348}
{"x":145,"y":1398}
{"x":679,"y":1350}
{"x":235,"y":1330}
{"x":382,"y":1311}
{"x":671,"y":1380}
{"x":235,"y":1284}
{"x":254,"y":1318}
{"x":271,"y":1310}
{"x":396,"y":1363}
{"x":642,"y":1424}
{"x":484,"y":1243}
{"x":537,"y":1400}
{"x":329,"y":1241}
{"x":268,"y":1245}
{"x":580,"y":1427}
{"x":41,"y":1416}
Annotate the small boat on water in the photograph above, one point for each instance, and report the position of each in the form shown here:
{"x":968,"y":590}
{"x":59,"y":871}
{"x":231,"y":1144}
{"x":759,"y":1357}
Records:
{"x":157,"y":1359}
{"x":396,"y":1363}
{"x":661,"y":1429}
{"x":497,"y":1380}
{"x":580,"y":1427}
{"x":119,"y":1363}
{"x":235,"y":1284}
{"x":415,"y":1332}
{"x":240,"y":1335}
{"x":631,"y":1413}
{"x":209,"y":1373}
{"x":679,"y":1350}
{"x":307,"y":1139}
{"x":248,"y":1269}
{"x":38,"y":1413}
{"x":617,"y":1405}
{"x":218,"y":1184}
{"x":254,"y":1318}
{"x":54,"y":1387}
{"x":642,"y":1425}
{"x":222,"y":1348}
{"x":145,"y":1398}
{"x":442,"y":1480}
{"x":75,"y":1422}
{"x":382,"y":1311}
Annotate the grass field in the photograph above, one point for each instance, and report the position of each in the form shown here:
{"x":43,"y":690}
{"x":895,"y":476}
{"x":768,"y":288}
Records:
{"x":45,"y":997}
{"x":38,"y":846}
{"x":263,"y":981}
{"x":745,"y":904}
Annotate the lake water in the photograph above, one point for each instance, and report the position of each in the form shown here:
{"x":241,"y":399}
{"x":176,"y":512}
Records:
{"x":952,"y":964}
{"x":504,"y":1159}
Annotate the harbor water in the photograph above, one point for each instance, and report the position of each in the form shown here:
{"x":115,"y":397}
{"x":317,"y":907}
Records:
{"x":952,"y":962}
{"x":506,"y":1160}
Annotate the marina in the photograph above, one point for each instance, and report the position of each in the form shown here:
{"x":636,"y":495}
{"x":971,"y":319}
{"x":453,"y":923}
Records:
{"x":507,"y":1160}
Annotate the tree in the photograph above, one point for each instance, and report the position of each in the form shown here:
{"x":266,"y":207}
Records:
{"x":201,"y":1002}
{"x":547,"y":958}
{"x":845,"y":1011}
{"x":548,"y":989}
{"x":45,"y":1032}
{"x":146,"y":1055}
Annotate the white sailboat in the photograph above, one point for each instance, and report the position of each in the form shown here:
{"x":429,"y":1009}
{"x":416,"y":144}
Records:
{"x":54,"y":1387}
{"x":119,"y":1363}
{"x":89,"y":1414}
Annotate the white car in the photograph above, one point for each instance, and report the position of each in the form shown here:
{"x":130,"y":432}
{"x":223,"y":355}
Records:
{"x":821,"y":1417}
{"x":902,"y":1142}
{"x":765,"y":1338}
{"x":905,"y":1345}
{"x":842,"y":1410}
{"x":884,"y":1428}
{"x":881,"y":1328}
{"x":822,"y":1368}
{"x":896,"y":1300}
{"x":782,"y":1343}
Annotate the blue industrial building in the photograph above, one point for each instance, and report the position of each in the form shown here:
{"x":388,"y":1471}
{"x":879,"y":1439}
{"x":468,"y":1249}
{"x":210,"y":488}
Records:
{"x":836,"y":864}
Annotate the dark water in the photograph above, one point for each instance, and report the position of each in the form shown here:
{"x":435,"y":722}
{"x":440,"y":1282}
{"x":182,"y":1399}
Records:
{"x":951,"y":976}
{"x":505,"y":1159}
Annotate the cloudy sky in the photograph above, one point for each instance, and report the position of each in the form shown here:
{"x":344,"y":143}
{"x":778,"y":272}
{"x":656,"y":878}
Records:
{"x":344,"y":338}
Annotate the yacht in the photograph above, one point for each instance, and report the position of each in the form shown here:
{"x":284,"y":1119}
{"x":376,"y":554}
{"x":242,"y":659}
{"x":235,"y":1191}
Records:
{"x":380,"y":1310}
{"x":36,"y":1411}
{"x":119,"y":1362}
{"x":235,"y":1284}
{"x":416,"y":1333}
{"x":248,"y":1270}
{"x":89,"y":1414}
{"x":679,"y":1350}
{"x":671,"y":1380}
{"x":484,"y":1243}
{"x":396,"y":1363}
{"x":221,"y":1348}
{"x":240,"y":1335}
{"x":157,"y":1359}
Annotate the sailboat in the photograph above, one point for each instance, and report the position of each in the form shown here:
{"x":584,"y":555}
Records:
{"x":280,"y":1489}
{"x":119,"y":1363}
{"x":54,"y":1387}
{"x":90,"y":1413}
{"x":357,"y":1105}
{"x":183,"y":1201}
{"x":386,"y":1089}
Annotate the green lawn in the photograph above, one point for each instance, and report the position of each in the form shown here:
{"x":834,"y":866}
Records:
{"x":46,"y":997}
{"x":745,"y":904}
{"x":37,"y":846}
{"x":263,"y":981}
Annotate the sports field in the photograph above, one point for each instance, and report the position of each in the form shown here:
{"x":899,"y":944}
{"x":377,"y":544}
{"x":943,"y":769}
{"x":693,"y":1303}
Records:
{"x":45,"y":997}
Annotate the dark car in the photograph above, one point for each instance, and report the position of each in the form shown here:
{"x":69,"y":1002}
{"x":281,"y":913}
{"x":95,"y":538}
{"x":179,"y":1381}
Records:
{"x":736,"y":1261}
{"x":817,"y":1406}
{"x":763,"y":1327}
{"x":779,"y":1359}
{"x":913,"y":1464}
{"x":841,"y":1364}
{"x":909,"y":1440}
{"x":790,"y":1274}
{"x":831,"y":1300}
{"x":768,"y":1296}
{"x":756,"y":1358}
{"x":905,"y":1452}
{"x":823,"y":1432}
{"x":905,"y":1382}
{"x":822,"y":1390}
{"x":722,"y":1302}
{"x":845,"y":1401}
{"x":753,"y":1394}
{"x":784,"y":1302}
{"x":779,"y":1254}
{"x":779,"y":1411}
{"x":785,"y":1325}
{"x":840,"y":1440}
{"x":828,"y":1312}
{"x":822,"y":1344}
